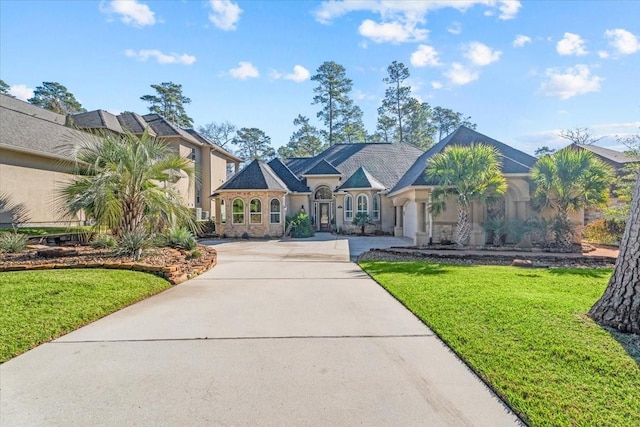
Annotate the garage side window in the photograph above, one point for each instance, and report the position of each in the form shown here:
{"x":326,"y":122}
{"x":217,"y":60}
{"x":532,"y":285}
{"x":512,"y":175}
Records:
{"x":274,"y":210}
{"x":375,"y":208}
{"x":348,"y":208}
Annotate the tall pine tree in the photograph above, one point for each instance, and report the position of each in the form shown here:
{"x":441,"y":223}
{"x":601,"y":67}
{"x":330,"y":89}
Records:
{"x":169,"y":103}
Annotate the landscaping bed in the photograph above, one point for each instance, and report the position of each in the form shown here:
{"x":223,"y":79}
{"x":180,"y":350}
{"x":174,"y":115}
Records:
{"x":174,"y":265}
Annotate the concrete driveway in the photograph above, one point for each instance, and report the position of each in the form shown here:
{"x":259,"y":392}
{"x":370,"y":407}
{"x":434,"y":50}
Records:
{"x":280,"y":333}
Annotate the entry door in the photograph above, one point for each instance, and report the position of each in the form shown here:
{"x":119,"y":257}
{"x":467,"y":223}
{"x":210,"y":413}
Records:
{"x":325,"y":217}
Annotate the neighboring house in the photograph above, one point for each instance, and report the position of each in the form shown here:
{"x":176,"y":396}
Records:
{"x":617,"y":160}
{"x":32,"y":169}
{"x":386,"y":181}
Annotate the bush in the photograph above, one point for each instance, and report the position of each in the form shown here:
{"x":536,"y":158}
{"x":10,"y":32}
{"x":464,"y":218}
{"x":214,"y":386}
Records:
{"x":13,"y":242}
{"x":179,"y":237}
{"x":605,"y":231}
{"x":133,"y":243}
{"x":300,"y":225}
{"x":102,"y":241}
{"x":195,"y":254}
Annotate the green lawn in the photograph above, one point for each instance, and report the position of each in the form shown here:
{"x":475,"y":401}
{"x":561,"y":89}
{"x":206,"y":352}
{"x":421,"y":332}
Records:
{"x":38,"y":306}
{"x":44,"y":231}
{"x":526,"y":333}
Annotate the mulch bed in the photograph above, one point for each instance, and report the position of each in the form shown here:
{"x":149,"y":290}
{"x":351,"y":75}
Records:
{"x":173,"y":264}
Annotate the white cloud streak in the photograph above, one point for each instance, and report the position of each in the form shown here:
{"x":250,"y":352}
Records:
{"x":571,"y":82}
{"x":623,"y":41}
{"x":244,"y":70}
{"x":300,"y":74}
{"x":160,"y":57}
{"x":571,"y":44}
{"x":391,"y":32}
{"x":224,"y":14}
{"x":459,"y":75}
{"x":131,"y":12}
{"x":425,"y":56}
{"x":480,"y":54}
{"x":21,"y":92}
{"x":521,"y":40}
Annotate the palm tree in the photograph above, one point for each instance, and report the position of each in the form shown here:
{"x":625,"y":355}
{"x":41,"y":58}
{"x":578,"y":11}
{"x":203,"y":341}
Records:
{"x":569,"y":180}
{"x":123,"y":182}
{"x":468,"y":173}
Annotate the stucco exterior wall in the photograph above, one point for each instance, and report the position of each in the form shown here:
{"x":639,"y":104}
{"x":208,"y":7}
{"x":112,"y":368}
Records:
{"x":34,"y":181}
{"x":410,"y":219}
{"x":263,"y":228}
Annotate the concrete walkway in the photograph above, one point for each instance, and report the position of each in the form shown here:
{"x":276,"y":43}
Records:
{"x":280,"y":333}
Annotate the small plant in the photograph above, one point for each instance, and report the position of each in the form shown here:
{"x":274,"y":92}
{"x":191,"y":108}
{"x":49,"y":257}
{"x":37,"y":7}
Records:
{"x":604,"y":231}
{"x":300,"y":225}
{"x":12,"y":242}
{"x":194,"y":254}
{"x":179,"y":237}
{"x":103,"y":241}
{"x":133,"y":243}
{"x":497,"y":229}
{"x":361,"y":220}
{"x":245,"y":235}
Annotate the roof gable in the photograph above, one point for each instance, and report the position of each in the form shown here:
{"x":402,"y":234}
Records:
{"x":284,"y":173}
{"x":322,"y":168}
{"x":362,"y":179}
{"x":164,"y":128}
{"x":608,"y":154}
{"x":255,"y":176}
{"x":135,"y":124}
{"x":97,"y":119}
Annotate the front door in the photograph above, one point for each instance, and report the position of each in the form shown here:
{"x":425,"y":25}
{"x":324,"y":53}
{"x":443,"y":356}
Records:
{"x":325,"y":220}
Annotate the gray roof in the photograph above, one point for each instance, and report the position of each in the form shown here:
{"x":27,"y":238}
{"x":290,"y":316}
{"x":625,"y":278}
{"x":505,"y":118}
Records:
{"x":134,"y":123}
{"x":206,"y":141}
{"x":387,"y":163}
{"x":25,"y":127}
{"x":361,"y":179}
{"x":164,"y":128}
{"x":513,"y":161}
{"x":97,"y":119}
{"x":322,"y":168}
{"x":255,"y":176}
{"x":612,"y":156}
{"x":284,"y":173}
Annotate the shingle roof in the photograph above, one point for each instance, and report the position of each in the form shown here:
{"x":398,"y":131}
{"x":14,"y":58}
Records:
{"x":513,"y":161}
{"x":163,"y":127}
{"x":609,"y":154}
{"x":206,"y":141}
{"x":134,"y":123}
{"x":97,"y":119}
{"x":285,"y":174}
{"x":255,"y":176}
{"x":26,"y":127}
{"x":387,"y":163}
{"x":361,"y":179}
{"x":322,"y":168}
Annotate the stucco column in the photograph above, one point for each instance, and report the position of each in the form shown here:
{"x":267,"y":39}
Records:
{"x":421,"y":238}
{"x":398,"y":230}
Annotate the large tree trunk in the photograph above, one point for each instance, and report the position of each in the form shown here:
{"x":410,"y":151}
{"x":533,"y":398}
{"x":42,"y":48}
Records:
{"x":463,"y":228}
{"x":619,"y":307}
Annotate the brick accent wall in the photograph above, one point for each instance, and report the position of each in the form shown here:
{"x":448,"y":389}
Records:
{"x":264,"y":228}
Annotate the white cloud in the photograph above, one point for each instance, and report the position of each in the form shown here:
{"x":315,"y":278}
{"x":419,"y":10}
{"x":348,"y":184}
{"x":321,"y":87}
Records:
{"x":245,"y":70}
{"x":571,"y":44}
{"x":509,"y":9}
{"x":224,"y":14}
{"x":480,"y":54}
{"x":603,"y":54}
{"x":521,"y":40}
{"x":573,"y":81}
{"x":623,"y":41}
{"x":160,"y":57}
{"x":455,"y":28}
{"x":436,"y":84}
{"x":21,"y":92}
{"x":425,"y":56}
{"x":131,"y":12}
{"x":459,"y":75}
{"x":299,"y":74}
{"x":391,"y":32}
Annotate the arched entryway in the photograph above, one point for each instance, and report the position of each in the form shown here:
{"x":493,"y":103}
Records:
{"x":323,"y":208}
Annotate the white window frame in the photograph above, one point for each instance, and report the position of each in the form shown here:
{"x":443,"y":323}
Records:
{"x":272,"y":212}
{"x":366,"y":202}
{"x":375,"y":210}
{"x":243,"y":213}
{"x":348,"y":207}
{"x":255,"y":217}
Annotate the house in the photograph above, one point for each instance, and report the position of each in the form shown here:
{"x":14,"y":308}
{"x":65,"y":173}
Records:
{"x":385,"y":181}
{"x":32,"y":167}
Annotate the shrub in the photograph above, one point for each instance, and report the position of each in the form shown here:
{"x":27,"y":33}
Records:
{"x":245,"y":235}
{"x":12,"y":242}
{"x":300,"y":225}
{"x":179,"y":237}
{"x":195,"y":254}
{"x":102,"y":241}
{"x":361,"y":220}
{"x":133,"y":243}
{"x":605,"y":231}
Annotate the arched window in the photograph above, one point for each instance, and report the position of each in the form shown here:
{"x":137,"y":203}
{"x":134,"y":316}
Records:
{"x":375,"y":207}
{"x":362,"y":204}
{"x":255,"y":211}
{"x":274,"y":210}
{"x":323,"y":193}
{"x":348,"y":207}
{"x":237,"y":210}
{"x":223,"y":212}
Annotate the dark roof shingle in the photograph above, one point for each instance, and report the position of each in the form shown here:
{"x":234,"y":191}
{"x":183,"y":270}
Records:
{"x":255,"y":176}
{"x":361,"y":179}
{"x":285,"y":174}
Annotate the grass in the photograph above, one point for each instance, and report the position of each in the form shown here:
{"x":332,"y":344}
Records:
{"x":45,"y":231}
{"x":526,"y":333}
{"x":38,"y":306}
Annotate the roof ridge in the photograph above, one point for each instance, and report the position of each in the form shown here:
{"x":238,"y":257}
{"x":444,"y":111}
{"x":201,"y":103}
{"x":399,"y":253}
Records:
{"x":36,"y":116}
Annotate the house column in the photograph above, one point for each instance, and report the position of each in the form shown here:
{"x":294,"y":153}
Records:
{"x":421,"y":238}
{"x":398,"y":230}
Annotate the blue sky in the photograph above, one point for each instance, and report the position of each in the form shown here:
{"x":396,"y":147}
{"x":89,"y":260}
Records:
{"x":523,"y":70}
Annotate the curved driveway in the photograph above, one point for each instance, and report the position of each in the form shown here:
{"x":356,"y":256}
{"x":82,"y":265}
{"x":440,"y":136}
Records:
{"x":279,"y":333}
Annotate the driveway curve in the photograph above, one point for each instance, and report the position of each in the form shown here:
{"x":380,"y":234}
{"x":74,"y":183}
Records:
{"x":278,"y":333}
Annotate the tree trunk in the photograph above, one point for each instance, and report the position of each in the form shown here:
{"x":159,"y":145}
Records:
{"x":463,"y":228}
{"x":619,"y":307}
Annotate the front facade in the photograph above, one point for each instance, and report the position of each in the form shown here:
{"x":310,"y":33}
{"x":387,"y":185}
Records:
{"x":33,"y":168}
{"x":385,"y":182}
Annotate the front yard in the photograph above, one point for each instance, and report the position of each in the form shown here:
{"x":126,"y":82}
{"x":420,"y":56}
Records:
{"x":526,"y":334}
{"x":38,"y":306}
